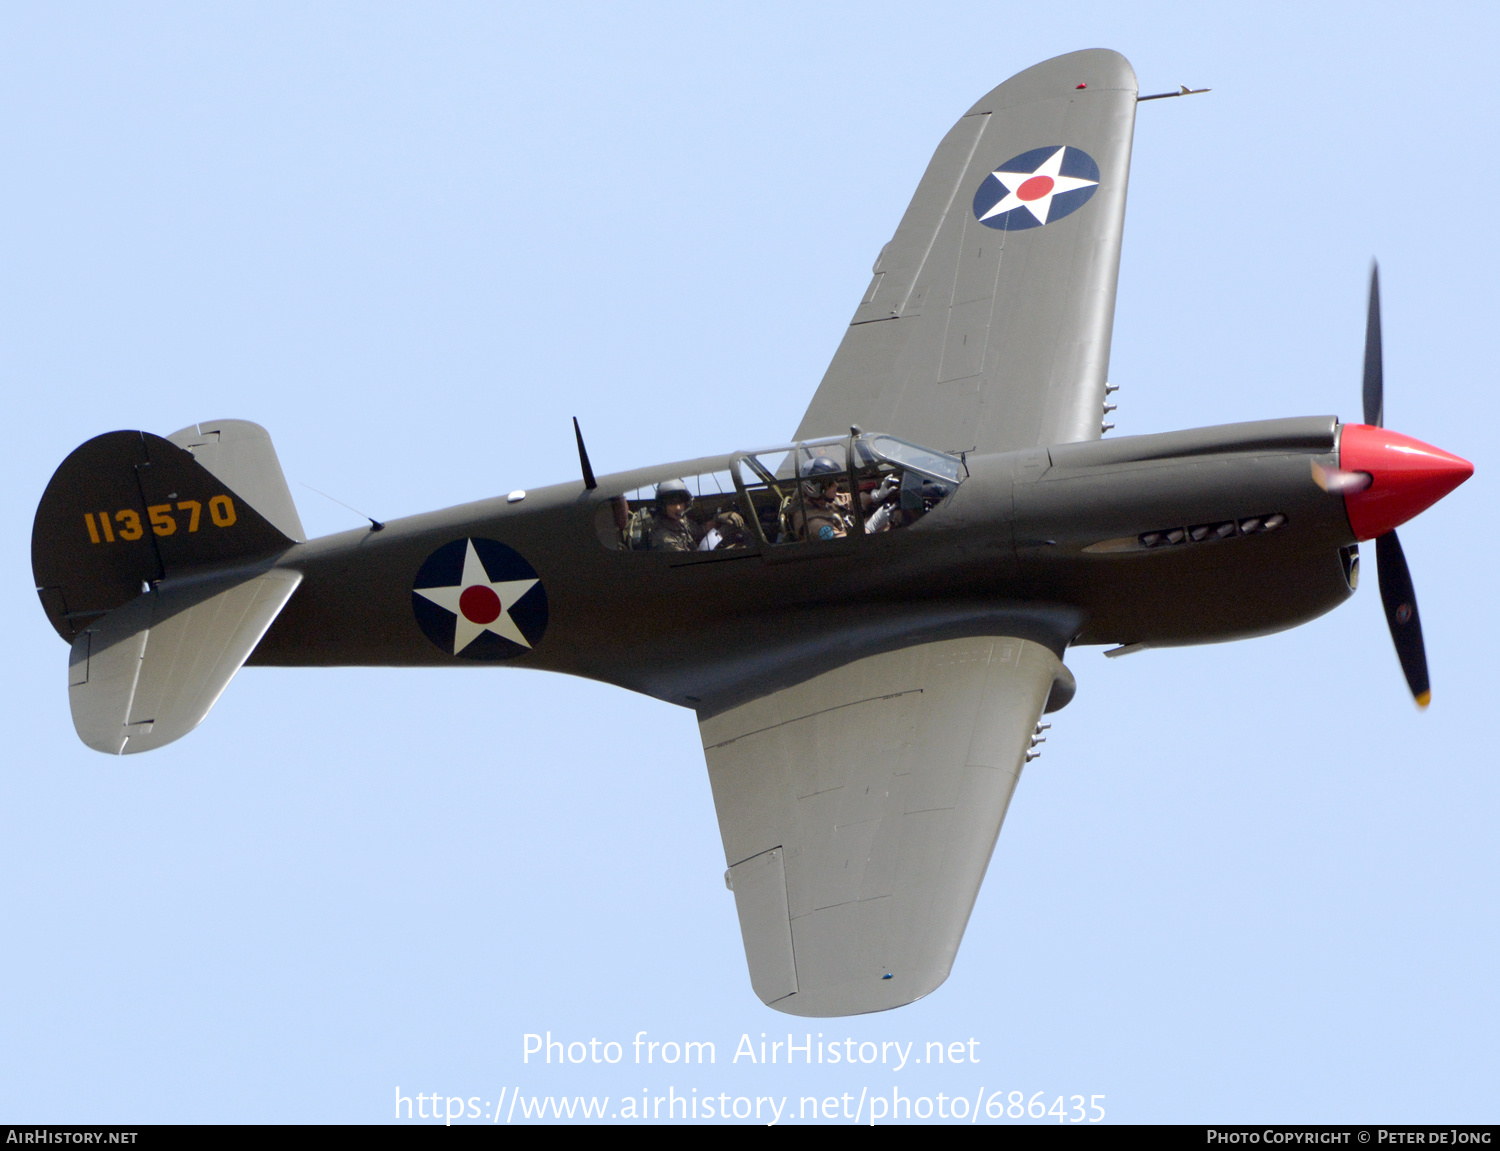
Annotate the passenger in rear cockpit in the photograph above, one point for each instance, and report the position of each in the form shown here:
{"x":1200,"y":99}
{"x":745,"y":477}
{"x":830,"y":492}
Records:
{"x":666,"y":527}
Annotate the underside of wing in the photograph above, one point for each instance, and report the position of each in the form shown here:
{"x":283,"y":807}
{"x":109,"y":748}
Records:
{"x":987,"y":324}
{"x":859,"y":810}
{"x":148,"y":672}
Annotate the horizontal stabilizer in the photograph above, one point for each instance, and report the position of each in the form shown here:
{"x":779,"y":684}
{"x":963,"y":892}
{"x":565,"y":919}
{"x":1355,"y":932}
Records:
{"x":148,"y":672}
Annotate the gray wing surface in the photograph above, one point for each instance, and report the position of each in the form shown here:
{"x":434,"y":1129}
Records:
{"x":978,"y":338}
{"x":859,"y":810}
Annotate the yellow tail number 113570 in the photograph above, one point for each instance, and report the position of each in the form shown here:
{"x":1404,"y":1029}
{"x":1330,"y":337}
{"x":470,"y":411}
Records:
{"x":126,"y":523}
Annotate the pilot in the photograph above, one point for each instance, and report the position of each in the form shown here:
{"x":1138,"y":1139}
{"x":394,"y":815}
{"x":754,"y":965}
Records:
{"x":668,"y":528}
{"x":881,"y":512}
{"x":916,"y":497}
{"x":824,"y":513}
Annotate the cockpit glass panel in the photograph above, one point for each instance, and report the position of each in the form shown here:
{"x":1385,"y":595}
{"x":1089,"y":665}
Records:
{"x":828,"y":489}
{"x":819,"y":506}
{"x":935,"y":465}
{"x":900,"y":482}
{"x":841,"y":487}
{"x":690,"y":513}
{"x":759,"y":472}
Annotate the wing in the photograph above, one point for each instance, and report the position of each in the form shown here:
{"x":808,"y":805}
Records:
{"x":859,"y":810}
{"x":993,"y":334}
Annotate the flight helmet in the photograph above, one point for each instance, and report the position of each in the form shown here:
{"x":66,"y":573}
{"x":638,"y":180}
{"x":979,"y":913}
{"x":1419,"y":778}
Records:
{"x":672,"y":492}
{"x":820,"y":466}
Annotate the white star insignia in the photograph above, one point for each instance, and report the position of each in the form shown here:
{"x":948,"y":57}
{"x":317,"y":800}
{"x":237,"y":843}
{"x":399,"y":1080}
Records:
{"x":479,"y":604}
{"x":1034,"y":190}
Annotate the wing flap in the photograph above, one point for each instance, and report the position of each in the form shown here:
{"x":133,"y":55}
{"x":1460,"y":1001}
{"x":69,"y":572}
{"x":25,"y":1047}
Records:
{"x":759,"y":886}
{"x":881,"y":787}
{"x":901,"y":261}
{"x":148,"y":672}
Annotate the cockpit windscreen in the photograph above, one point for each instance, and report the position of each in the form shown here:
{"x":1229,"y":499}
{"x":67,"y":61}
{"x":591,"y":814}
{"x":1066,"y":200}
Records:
{"x":816,"y":490}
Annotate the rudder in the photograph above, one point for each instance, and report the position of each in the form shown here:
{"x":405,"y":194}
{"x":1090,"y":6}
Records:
{"x":128,"y":509}
{"x":156,"y":560}
{"x":240,"y":453}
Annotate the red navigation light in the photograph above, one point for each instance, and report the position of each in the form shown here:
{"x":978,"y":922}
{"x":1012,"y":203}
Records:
{"x":1407,"y":477}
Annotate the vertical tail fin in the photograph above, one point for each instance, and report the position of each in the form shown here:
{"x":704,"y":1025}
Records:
{"x":128,"y":509}
{"x":155,"y":559}
{"x":240,"y":453}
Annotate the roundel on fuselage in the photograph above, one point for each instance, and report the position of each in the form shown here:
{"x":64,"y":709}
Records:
{"x":479,"y":599}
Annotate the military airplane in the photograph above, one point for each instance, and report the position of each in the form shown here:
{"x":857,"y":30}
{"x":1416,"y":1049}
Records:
{"x":869,"y":620}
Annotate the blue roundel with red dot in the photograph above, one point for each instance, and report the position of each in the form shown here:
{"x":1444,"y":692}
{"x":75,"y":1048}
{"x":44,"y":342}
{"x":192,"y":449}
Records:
{"x":1036,"y":188}
{"x":479,"y":599}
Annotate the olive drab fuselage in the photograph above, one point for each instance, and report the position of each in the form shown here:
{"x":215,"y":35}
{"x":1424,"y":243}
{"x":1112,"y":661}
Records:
{"x":1156,"y":540}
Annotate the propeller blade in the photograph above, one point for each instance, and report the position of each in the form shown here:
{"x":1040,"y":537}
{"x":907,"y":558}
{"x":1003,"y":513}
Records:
{"x":1400,"y":601}
{"x":1374,"y":366}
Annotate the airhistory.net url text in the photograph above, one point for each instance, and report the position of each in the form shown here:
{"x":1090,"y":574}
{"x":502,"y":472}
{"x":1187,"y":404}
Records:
{"x":890,"y":1106}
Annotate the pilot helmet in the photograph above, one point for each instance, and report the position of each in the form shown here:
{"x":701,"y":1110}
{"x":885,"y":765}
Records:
{"x":819,"y":466}
{"x":672,"y":492}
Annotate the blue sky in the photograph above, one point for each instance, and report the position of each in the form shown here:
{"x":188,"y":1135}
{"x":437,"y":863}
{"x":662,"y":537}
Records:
{"x":1245,"y":883}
